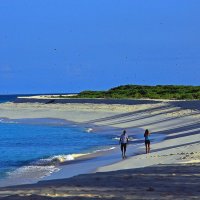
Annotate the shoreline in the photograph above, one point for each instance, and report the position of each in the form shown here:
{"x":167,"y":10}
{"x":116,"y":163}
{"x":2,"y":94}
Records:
{"x":58,"y":161}
{"x":178,"y":122}
{"x":104,"y":156}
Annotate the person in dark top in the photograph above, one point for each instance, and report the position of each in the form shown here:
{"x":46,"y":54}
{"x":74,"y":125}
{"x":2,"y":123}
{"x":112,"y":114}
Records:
{"x":147,"y":140}
{"x":123,"y":141}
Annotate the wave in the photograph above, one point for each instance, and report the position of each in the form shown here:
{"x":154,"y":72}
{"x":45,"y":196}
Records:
{"x":55,"y":160}
{"x":89,"y":130}
{"x":7,"y":121}
{"x":32,"y":172}
{"x":101,"y":150}
{"x":41,"y":168}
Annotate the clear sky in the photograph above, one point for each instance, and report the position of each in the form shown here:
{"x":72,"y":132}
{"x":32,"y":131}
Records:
{"x":52,"y":46}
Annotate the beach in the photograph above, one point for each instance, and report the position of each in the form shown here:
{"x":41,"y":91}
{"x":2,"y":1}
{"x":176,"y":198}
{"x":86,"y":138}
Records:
{"x":171,"y":170}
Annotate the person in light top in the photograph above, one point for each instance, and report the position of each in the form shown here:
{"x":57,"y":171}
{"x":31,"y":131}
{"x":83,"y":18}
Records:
{"x":123,"y":141}
{"x":147,"y":140}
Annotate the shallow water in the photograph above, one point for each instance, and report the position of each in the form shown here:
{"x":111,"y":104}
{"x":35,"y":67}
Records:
{"x":34,"y":150}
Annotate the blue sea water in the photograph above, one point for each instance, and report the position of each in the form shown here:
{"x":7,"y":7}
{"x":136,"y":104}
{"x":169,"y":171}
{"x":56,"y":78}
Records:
{"x":34,"y":147}
{"x":23,"y":145}
{"x":12,"y":98}
{"x":7,"y":98}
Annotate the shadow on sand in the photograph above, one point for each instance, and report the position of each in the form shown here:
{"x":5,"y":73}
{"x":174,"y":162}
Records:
{"x":157,"y":182}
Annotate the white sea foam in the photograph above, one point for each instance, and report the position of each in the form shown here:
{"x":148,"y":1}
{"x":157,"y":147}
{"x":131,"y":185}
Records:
{"x":55,"y":160}
{"x":32,"y":172}
{"x":89,"y":130}
{"x":62,"y":158}
{"x":44,"y":167}
{"x":111,"y":148}
{"x":7,"y":121}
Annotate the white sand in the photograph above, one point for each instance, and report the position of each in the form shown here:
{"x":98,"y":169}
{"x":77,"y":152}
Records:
{"x":72,"y":112}
{"x":53,"y":96}
{"x":179,"y":122}
{"x":176,"y":122}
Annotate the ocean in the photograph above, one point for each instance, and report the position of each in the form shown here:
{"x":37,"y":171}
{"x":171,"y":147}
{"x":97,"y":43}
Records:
{"x":32,"y":149}
{"x":7,"y":98}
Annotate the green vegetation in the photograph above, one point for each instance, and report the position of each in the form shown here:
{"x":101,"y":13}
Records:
{"x":150,"y":92}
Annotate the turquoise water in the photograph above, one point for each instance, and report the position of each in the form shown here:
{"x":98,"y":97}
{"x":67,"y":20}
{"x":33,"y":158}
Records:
{"x":33,"y":148}
{"x":28,"y":147}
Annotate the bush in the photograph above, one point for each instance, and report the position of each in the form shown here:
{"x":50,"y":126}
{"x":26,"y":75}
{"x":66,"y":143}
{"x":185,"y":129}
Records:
{"x":142,"y":91}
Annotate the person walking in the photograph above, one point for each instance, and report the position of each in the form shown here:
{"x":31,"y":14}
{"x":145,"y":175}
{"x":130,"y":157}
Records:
{"x":123,"y":141}
{"x":147,"y":140}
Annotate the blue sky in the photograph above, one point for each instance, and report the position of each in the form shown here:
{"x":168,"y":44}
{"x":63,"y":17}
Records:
{"x":53,"y":46}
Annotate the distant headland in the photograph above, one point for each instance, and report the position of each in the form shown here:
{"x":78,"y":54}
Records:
{"x":173,"y":92}
{"x":165,"y":92}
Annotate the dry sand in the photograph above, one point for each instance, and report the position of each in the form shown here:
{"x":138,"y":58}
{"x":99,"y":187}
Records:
{"x":170,"y":171}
